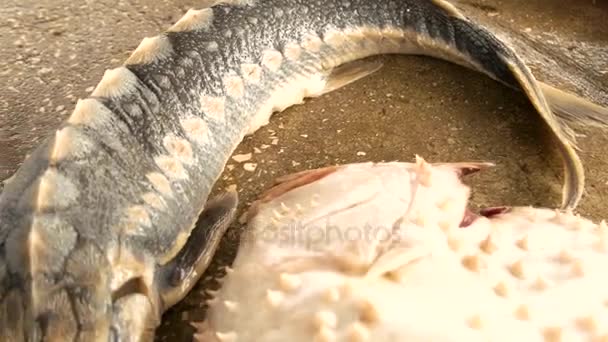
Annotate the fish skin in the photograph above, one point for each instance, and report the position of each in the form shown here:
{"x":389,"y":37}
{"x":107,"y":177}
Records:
{"x":118,"y":188}
{"x":380,"y":256}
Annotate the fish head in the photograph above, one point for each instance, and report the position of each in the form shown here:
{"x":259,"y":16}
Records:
{"x":356,"y":207}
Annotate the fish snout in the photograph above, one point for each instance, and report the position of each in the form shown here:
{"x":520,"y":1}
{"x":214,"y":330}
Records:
{"x":441,"y":193}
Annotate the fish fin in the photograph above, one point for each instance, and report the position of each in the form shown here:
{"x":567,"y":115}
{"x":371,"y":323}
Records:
{"x":348,"y":73}
{"x":502,"y":63}
{"x":287,"y":183}
{"x":466,"y":168}
{"x":296,"y":180}
{"x":293,"y":176}
{"x":176,"y":278}
{"x":573,"y":109}
{"x":574,"y":172}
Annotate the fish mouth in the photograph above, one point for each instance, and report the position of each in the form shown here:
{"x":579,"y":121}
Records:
{"x":489,"y":212}
{"x":470,"y":216}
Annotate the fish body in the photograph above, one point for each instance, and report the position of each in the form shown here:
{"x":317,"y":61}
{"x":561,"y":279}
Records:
{"x":97,"y":227}
{"x":378,"y":252}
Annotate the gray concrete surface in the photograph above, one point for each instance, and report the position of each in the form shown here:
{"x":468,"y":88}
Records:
{"x":54,"y":52}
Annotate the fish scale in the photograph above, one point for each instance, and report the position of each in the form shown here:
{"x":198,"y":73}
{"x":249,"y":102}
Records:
{"x":144,"y":151}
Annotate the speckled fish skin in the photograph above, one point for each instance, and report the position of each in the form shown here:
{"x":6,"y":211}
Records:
{"x":375,"y":252}
{"x":113,"y":195}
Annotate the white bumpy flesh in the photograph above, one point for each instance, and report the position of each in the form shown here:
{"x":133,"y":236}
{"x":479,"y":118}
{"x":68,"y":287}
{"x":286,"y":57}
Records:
{"x":374,"y":252}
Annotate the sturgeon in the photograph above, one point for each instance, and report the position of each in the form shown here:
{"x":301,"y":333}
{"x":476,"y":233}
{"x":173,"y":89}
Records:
{"x":391,"y":252}
{"x":98,"y":233}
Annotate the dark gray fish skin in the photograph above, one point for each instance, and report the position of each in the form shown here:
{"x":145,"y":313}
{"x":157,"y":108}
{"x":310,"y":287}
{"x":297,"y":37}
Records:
{"x":71,"y":226}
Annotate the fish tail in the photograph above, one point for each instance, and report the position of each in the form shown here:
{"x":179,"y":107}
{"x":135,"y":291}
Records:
{"x":488,"y":54}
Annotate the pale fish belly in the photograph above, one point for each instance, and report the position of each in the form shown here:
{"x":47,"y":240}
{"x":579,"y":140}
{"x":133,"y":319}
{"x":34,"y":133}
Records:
{"x":377,"y":252}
